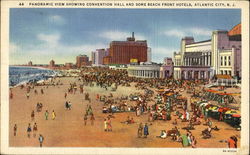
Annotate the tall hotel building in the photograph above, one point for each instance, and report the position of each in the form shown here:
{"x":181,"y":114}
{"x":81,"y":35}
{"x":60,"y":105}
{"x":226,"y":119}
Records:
{"x":121,"y":52}
{"x":82,"y":60}
{"x":202,"y":60}
{"x":98,"y":55}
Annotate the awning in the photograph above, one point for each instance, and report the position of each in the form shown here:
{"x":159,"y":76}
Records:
{"x":220,"y":76}
{"x":211,"y":90}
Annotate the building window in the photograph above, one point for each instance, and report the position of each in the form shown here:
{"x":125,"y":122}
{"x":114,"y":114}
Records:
{"x":229,"y":61}
{"x":221,"y":72}
{"x":225,"y":61}
{"x":225,"y":72}
{"x":229,"y":73}
{"x":221,"y":61}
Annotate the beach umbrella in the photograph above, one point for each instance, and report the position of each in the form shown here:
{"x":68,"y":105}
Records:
{"x":231,"y":112}
{"x":236,"y":115}
{"x":224,"y":109}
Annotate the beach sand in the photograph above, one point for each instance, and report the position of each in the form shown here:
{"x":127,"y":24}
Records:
{"x":68,"y":129}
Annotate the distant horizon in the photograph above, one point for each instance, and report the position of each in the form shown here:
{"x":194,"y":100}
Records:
{"x":62,"y":34}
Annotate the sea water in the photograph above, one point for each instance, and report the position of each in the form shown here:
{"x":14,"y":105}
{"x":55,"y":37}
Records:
{"x":21,"y":75}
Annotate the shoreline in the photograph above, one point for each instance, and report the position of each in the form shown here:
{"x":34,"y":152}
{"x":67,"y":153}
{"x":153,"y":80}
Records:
{"x":27,"y":81}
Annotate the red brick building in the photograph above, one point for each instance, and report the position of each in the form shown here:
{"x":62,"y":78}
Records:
{"x":122,"y":51}
{"x":82,"y":60}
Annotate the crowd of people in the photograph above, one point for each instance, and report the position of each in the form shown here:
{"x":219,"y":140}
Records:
{"x":157,"y":106}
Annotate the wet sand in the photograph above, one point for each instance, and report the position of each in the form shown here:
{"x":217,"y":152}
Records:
{"x":68,"y":129}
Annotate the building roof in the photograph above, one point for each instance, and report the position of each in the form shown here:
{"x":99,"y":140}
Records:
{"x":236,"y":30}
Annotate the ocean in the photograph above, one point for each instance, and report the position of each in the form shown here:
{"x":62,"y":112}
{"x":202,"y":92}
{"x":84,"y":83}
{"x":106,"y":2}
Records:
{"x":20,"y":75}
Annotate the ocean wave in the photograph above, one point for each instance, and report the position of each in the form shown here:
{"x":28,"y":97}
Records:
{"x":22,"y":75}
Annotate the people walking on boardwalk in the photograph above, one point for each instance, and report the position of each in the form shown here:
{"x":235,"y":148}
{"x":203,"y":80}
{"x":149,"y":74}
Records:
{"x":34,"y":129}
{"x":53,"y":114}
{"x":85,"y":119}
{"x":92,"y":119}
{"x":146,"y":132}
{"x":46,"y":114}
{"x":29,"y":130}
{"x":15,"y":129}
{"x":41,"y":139}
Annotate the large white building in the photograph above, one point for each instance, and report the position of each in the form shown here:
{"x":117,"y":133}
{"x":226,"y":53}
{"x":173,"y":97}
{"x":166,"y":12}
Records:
{"x":98,"y":55}
{"x":202,"y":60}
{"x":144,"y":70}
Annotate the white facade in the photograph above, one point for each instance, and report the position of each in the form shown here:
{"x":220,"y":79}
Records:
{"x":149,"y":54}
{"x":98,"y":55}
{"x":202,"y":60}
{"x":144,"y":70}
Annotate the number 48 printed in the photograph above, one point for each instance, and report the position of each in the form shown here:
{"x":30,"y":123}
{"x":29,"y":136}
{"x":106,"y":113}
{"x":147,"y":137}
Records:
{"x":21,"y":4}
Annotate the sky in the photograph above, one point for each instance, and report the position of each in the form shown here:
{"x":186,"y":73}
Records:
{"x":42,"y":34}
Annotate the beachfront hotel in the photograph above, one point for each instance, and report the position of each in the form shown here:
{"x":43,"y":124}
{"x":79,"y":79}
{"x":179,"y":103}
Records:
{"x":98,"y":55}
{"x":220,"y":55}
{"x":82,"y":60}
{"x":121,"y":52}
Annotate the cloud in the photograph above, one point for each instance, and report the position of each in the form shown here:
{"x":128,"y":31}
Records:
{"x":174,"y":33}
{"x":119,"y":35}
{"x":201,"y":31}
{"x":49,"y":48}
{"x":159,"y":53}
{"x":57,"y":19}
{"x":49,"y":38}
{"x":13,"y":48}
{"x":180,"y":33}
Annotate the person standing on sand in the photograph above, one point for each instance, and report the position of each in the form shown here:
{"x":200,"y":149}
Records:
{"x":46,"y":115}
{"x":105,"y":125}
{"x":232,"y":142}
{"x":85,"y":119}
{"x":15,"y":129}
{"x":97,"y":97}
{"x":146,"y":130}
{"x":34,"y":130}
{"x":92,"y":118}
{"x":193,"y":142}
{"x":53,"y":115}
{"x":28,"y":95}
{"x":29,"y":130}
{"x":41,"y":139}
{"x":65,"y":95}
{"x":139,"y":132}
{"x":32,"y":115}
{"x":11,"y":95}
{"x":109,"y":124}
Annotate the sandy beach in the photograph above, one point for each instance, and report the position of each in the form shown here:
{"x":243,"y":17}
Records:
{"x":68,"y":129}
